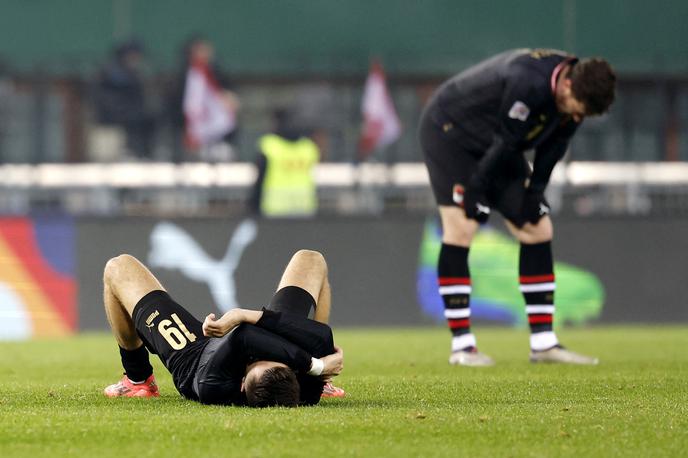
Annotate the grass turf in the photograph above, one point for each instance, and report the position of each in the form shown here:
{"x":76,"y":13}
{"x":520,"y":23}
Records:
{"x":403,"y":400}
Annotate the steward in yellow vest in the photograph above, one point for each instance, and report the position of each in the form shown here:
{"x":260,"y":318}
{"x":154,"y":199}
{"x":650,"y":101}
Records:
{"x":285,"y":186}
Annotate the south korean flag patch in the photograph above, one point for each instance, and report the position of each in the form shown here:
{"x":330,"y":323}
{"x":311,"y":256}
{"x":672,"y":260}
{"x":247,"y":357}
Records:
{"x":519,"y":110}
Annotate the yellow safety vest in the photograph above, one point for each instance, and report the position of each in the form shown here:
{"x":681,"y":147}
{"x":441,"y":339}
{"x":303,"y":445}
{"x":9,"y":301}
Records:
{"x":289,"y":187}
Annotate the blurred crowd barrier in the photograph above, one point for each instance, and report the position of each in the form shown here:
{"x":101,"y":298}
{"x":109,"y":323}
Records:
{"x":583,"y":189}
{"x":54,"y":120}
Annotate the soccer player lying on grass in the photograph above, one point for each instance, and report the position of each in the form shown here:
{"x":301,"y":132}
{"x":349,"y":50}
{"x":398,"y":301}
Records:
{"x":276,"y":356}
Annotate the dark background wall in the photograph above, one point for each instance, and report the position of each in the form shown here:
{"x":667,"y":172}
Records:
{"x":373,"y":264}
{"x":331,"y":36}
{"x":643,"y":264}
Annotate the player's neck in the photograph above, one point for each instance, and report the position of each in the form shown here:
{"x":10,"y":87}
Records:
{"x":563,"y":74}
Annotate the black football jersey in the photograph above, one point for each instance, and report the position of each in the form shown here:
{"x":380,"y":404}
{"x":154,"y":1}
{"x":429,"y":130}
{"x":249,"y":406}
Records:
{"x":506,"y":105}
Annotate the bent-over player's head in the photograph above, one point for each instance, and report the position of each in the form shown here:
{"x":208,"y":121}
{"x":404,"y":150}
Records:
{"x":268,"y":383}
{"x":593,"y":84}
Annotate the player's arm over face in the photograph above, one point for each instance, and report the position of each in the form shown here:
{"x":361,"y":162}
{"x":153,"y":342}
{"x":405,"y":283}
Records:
{"x":312,"y":336}
{"x":289,"y":339}
{"x":260,"y":344}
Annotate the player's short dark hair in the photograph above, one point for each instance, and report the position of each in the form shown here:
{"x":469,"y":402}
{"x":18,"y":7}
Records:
{"x":593,"y":83}
{"x":277,"y":386}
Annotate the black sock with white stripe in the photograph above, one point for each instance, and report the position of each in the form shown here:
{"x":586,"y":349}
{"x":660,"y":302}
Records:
{"x":536,"y":270}
{"x":454,"y":282}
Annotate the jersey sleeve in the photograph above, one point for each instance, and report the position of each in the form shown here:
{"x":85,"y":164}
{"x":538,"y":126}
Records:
{"x":549,"y":153}
{"x":524,"y":94}
{"x":260,"y":344}
{"x":310,"y":389}
{"x":313,"y":336}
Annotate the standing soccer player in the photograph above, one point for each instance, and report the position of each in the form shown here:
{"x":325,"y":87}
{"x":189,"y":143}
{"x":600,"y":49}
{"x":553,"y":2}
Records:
{"x":474,"y":132}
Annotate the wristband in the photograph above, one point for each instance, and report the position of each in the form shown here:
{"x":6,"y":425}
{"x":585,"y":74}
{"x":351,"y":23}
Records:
{"x":317,"y":366}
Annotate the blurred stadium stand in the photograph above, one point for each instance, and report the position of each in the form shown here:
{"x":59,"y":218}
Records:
{"x":47,"y":113}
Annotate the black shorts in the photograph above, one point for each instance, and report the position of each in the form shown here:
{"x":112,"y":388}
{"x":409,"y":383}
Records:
{"x":451,"y":166}
{"x":216,"y":380}
{"x":292,"y":299}
{"x":171,"y":332}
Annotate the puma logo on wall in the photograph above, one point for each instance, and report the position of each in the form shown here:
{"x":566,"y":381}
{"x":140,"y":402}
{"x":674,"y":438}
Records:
{"x":173,"y":248}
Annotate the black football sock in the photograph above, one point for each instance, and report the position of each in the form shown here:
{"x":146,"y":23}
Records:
{"x":536,"y":270}
{"x":136,"y":364}
{"x":454,"y":282}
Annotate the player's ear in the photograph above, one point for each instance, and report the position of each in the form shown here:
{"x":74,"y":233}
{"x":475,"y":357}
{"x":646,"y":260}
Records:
{"x":243,"y":384}
{"x":567,"y":84}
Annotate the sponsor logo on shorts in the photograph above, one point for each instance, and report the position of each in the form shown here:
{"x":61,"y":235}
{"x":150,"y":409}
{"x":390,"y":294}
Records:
{"x":151,"y":317}
{"x":519,"y":110}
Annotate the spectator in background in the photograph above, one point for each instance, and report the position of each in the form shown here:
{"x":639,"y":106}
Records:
{"x":204,"y":106}
{"x":285,"y":186}
{"x":120,"y":98}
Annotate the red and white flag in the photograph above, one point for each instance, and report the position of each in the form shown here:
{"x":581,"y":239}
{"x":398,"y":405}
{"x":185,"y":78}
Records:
{"x":381,"y":125}
{"x":208,"y":115}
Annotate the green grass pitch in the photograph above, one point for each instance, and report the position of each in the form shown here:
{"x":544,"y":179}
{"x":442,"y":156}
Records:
{"x":403,"y":400}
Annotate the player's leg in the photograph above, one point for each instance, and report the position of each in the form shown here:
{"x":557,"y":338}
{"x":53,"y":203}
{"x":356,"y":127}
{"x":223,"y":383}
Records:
{"x":323,"y":303}
{"x":307,"y":271}
{"x":536,"y":279}
{"x":125,"y":282}
{"x":454,"y":282}
{"x":538,"y":284}
{"x":453,"y":275}
{"x":449,"y":170}
{"x":322,"y":314}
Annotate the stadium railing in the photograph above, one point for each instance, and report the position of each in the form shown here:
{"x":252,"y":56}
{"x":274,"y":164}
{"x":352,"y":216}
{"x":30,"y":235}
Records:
{"x":368,"y":188}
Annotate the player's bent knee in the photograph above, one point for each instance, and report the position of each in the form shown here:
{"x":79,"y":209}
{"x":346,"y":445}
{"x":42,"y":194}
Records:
{"x":457,"y":238}
{"x":311,"y":257}
{"x":535,"y":235}
{"x":305,"y":253}
{"x":456,"y":228}
{"x":116,"y":265}
{"x":460,"y":235}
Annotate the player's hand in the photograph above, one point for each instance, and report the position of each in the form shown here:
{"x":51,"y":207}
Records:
{"x":534,"y":207}
{"x":475,"y":203}
{"x":211,"y":327}
{"x":334,"y":364}
{"x":219,"y":327}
